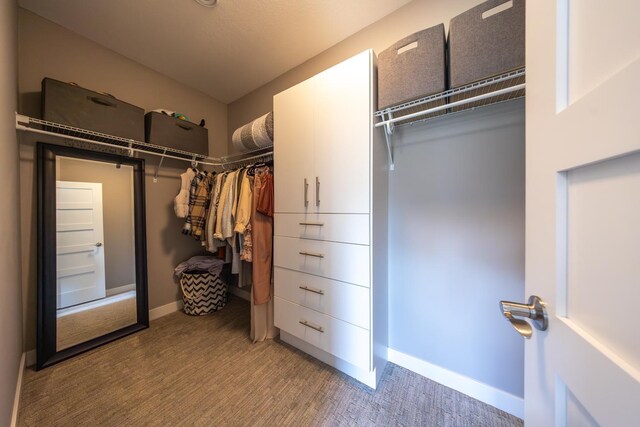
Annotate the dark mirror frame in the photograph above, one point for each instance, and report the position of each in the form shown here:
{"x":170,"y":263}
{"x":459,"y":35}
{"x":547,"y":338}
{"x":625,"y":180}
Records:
{"x":46,"y":292}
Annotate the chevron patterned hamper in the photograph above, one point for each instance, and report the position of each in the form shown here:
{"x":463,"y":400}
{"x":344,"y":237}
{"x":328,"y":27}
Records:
{"x":202,"y":293}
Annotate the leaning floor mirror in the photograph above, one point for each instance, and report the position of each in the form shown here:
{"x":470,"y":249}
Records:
{"x":92,"y":269}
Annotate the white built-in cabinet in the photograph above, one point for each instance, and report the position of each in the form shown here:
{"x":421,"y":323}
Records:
{"x":330,"y":244}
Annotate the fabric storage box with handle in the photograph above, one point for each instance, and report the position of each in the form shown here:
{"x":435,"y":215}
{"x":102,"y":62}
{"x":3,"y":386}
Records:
{"x":169,"y":131}
{"x":72,"y":105}
{"x":486,"y":40}
{"x":412,"y":67}
{"x":202,"y":292}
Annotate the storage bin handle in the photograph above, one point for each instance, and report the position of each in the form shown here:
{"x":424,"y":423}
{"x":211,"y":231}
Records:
{"x":495,"y":7}
{"x":189,"y":296}
{"x":185,"y":127}
{"x":102,"y":101}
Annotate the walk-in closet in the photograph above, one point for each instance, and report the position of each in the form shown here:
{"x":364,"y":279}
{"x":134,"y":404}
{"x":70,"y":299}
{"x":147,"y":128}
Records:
{"x":374,"y":212}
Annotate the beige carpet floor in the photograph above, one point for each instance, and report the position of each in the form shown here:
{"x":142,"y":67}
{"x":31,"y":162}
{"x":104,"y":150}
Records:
{"x":84,"y":325}
{"x":204,"y":371}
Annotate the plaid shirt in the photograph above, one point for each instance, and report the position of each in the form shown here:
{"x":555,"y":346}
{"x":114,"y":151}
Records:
{"x":199,"y":199}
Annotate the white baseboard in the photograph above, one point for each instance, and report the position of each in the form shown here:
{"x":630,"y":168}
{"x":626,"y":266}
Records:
{"x":16,"y":398}
{"x":121,"y":289}
{"x":480,"y":391}
{"x":239,"y":292}
{"x":163,"y":310}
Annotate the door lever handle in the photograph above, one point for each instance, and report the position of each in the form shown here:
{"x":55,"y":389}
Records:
{"x":535,"y":310}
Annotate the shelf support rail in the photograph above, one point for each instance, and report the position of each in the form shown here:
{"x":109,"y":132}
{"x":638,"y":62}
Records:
{"x":131,"y":146}
{"x":451,"y":105}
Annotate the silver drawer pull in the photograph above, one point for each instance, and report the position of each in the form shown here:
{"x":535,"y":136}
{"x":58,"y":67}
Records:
{"x":311,"y":254}
{"x":315,"y":291}
{"x":309,"y":325}
{"x":316,"y":224}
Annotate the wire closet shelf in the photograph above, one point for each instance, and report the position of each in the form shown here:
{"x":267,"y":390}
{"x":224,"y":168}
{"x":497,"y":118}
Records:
{"x":502,"y":88}
{"x":128,"y":147}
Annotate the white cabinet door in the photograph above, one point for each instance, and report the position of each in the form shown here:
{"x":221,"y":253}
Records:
{"x":583,"y":211}
{"x":342,"y":136}
{"x":293,"y":148}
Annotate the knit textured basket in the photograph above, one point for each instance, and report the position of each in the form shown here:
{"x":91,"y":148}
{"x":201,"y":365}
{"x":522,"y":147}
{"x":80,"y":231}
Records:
{"x":202,"y":293}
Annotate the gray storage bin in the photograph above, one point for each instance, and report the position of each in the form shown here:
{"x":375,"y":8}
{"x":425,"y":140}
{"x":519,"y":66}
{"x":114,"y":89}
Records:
{"x":482,"y":47}
{"x":169,"y":131}
{"x":413,"y":72}
{"x":72,"y":105}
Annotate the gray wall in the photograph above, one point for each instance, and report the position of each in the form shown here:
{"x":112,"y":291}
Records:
{"x":10,"y":290}
{"x":47,"y":49}
{"x":456,"y":205}
{"x":117,"y":214}
{"x":456,"y":243}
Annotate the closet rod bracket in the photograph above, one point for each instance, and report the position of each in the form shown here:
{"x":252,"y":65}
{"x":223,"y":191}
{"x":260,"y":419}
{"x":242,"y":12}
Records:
{"x":388,"y":131}
{"x":155,"y":176}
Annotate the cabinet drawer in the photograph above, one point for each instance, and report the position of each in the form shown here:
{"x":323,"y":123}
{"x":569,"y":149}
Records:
{"x":342,"y":339}
{"x":339,"y":261}
{"x":341,"y":300}
{"x":345,"y":228}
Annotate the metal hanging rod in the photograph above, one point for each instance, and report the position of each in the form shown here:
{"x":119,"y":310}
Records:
{"x":494,"y":90}
{"x":43,"y":127}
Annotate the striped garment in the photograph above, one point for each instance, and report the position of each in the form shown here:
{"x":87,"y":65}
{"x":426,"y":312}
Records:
{"x":199,"y":199}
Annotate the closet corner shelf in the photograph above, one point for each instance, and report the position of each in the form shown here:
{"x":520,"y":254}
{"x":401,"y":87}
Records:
{"x":130,"y":146}
{"x":494,"y":90}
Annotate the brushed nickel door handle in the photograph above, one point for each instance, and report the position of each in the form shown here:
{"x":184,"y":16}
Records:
{"x":535,"y":310}
{"x":315,"y":224}
{"x":309,"y":325}
{"x":306,"y":193}
{"x":317,"y":191}
{"x":98,"y":244}
{"x":315,"y":291}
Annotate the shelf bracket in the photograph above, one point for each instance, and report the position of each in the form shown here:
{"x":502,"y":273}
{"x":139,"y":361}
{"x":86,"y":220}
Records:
{"x":388,"y":131}
{"x":155,"y":176}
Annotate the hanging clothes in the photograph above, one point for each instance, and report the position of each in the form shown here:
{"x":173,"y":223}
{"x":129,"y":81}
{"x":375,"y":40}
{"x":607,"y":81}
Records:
{"x":262,"y":233}
{"x":212,"y":243}
{"x":181,"y":201}
{"x":198,"y":205}
{"x":243,"y":217}
{"x":224,"y":194}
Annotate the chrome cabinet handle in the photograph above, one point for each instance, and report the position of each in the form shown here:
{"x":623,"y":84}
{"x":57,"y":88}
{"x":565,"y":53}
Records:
{"x":315,"y":291}
{"x":311,"y":254}
{"x":316,"y":224}
{"x":306,"y":193}
{"x":309,"y":325}
{"x":535,"y":310}
{"x":317,"y":191}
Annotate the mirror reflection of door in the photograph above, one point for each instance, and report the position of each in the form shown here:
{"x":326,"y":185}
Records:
{"x":79,"y":249}
{"x":95,"y":249}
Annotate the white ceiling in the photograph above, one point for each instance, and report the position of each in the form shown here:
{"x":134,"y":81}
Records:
{"x":225,"y":51}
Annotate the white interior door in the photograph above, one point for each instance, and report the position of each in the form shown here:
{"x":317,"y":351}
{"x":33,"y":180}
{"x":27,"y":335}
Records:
{"x":80,"y":249}
{"x":583,"y":212}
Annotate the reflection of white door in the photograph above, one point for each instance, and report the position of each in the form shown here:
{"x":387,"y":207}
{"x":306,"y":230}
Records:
{"x":583,"y":212}
{"x":79,"y":234}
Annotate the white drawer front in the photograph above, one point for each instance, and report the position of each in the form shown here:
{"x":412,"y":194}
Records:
{"x":345,"y":228}
{"x":342,"y":339}
{"x":341,"y":300}
{"x":339,"y":261}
